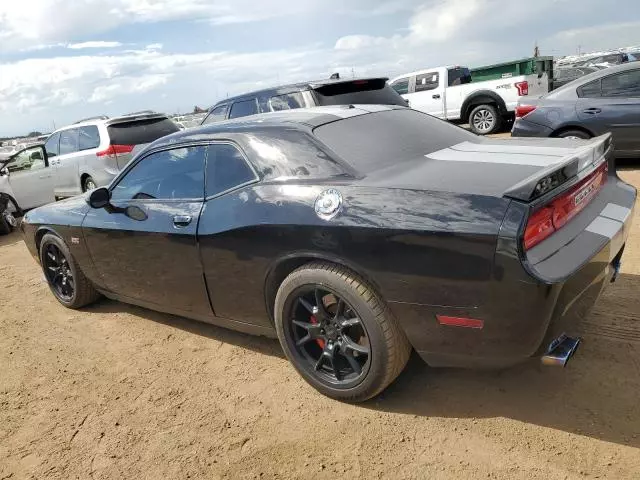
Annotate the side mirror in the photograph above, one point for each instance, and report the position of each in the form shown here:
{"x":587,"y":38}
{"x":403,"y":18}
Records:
{"x":99,"y":198}
{"x":4,"y":171}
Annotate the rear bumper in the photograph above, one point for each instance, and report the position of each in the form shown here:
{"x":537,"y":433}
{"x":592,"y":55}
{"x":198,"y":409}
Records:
{"x":531,"y":300}
{"x":524,"y":128}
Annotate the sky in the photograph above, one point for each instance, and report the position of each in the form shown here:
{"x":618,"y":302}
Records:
{"x":62,"y":60}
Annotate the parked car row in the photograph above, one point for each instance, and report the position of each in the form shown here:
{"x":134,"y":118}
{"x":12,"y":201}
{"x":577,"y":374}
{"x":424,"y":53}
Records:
{"x":79,"y":157}
{"x":603,"y":101}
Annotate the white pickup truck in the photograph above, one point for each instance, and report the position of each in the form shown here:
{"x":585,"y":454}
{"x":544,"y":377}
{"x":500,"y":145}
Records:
{"x":451,"y":94}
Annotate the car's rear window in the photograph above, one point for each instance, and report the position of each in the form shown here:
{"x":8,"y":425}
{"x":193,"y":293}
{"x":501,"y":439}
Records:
{"x":138,"y":132}
{"x":378,"y":140}
{"x":374,"y":91}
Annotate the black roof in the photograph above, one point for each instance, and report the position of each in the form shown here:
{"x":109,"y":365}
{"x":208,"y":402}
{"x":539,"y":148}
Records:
{"x":299,"y":118}
{"x":294,"y":87}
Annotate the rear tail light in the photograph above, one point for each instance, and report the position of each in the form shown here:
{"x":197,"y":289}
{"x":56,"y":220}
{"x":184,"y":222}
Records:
{"x":523,"y":88}
{"x":114,"y":150}
{"x":524,"y":110}
{"x":560,"y":210}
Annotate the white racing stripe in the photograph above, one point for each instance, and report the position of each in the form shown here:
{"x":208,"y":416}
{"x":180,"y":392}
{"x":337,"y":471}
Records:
{"x":615,"y":212}
{"x":465,"y":152}
{"x":610,"y":221}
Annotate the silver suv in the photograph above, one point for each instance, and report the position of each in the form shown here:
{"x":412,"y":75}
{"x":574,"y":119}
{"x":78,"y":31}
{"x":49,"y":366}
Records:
{"x":89,"y":153}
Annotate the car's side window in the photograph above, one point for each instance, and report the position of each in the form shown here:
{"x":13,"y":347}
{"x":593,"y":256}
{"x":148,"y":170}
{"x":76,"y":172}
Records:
{"x":624,"y":84}
{"x":244,"y":108}
{"x":52,"y":146}
{"x":167,"y":175}
{"x":590,"y":90}
{"x":226,"y":169}
{"x":68,"y":141}
{"x":28,"y":160}
{"x":286,"y":102}
{"x":88,"y":137}
{"x":217,"y":114}
{"x":401,"y":86}
{"x":427,"y":81}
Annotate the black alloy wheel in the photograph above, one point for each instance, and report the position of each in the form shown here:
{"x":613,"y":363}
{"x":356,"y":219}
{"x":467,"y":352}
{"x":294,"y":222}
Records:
{"x":58,"y":273}
{"x":327,"y":335}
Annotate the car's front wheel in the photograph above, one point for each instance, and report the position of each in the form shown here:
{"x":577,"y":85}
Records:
{"x":66,"y":281}
{"x":338,"y":333}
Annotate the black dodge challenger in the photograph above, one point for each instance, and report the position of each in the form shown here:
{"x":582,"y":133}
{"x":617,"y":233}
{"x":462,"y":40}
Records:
{"x":354,"y":234}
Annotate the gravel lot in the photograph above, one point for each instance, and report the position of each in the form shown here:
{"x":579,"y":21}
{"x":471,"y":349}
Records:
{"x":115,"y":391}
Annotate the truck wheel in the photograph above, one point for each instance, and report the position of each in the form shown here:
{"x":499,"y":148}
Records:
{"x":338,"y":333}
{"x":485,"y":119}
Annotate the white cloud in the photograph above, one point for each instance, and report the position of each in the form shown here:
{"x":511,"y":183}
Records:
{"x":444,"y":20}
{"x":95,"y":44}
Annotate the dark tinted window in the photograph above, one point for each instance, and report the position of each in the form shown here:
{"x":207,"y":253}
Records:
{"x":373,"y":91}
{"x":68,"y":141}
{"x":139,"y":132}
{"x":170,"y":174}
{"x":88,"y":137}
{"x":286,"y":102}
{"x":459,"y":76}
{"x":52,"y":146}
{"x":401,"y":86}
{"x":427,"y":81}
{"x":291,"y":154}
{"x":378,"y":140}
{"x":226,"y":168}
{"x":590,"y":90}
{"x":625,"y":84}
{"x":217,"y":114}
{"x":243,"y":108}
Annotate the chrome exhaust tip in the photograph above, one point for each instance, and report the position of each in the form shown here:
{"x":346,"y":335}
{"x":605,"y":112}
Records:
{"x":560,"y":351}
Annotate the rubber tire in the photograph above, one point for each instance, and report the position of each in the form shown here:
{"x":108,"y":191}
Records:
{"x":5,"y":228}
{"x":84,"y":294}
{"x":496,"y":114}
{"x":390,"y":348}
{"x":574,"y":133}
{"x":84,"y":184}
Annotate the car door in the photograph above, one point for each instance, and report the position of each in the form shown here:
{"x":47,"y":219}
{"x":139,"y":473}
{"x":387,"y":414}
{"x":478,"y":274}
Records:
{"x":426,"y":93}
{"x":66,"y":164}
{"x":31,"y":178}
{"x":143,"y":244}
{"x":612,"y":104}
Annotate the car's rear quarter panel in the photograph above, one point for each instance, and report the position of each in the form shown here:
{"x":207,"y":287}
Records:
{"x":416,"y":248}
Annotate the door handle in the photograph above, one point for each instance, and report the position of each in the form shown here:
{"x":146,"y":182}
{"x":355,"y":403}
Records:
{"x":592,"y":111}
{"x":180,"y":221}
{"x":45,"y":176}
{"x":436,"y":96}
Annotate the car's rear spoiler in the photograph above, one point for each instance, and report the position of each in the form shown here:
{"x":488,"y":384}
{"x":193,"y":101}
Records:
{"x":135,"y":118}
{"x":339,"y":81}
{"x":553,"y":176}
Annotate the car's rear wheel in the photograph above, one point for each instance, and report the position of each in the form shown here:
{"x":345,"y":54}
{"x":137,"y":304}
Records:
{"x":338,"y":333}
{"x":574,"y":135}
{"x":484,"y":120}
{"x":5,"y":223}
{"x":89,"y":184}
{"x":66,"y":281}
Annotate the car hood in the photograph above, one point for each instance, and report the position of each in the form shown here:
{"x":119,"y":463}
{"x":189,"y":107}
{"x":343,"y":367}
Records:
{"x":70,"y":211}
{"x":495,"y":167}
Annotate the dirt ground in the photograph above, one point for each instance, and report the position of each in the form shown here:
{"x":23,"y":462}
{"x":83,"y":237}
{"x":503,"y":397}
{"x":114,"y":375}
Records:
{"x":115,"y":391}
